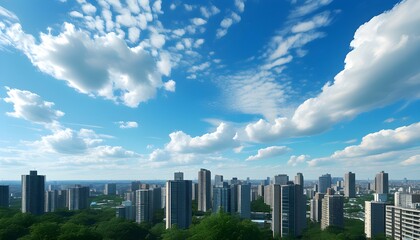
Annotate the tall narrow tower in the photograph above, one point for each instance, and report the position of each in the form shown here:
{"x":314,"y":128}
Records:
{"x":204,"y":190}
{"x":33,"y":196}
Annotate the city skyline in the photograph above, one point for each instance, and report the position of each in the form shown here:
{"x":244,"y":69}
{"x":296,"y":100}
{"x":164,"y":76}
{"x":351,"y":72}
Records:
{"x":97,"y":90}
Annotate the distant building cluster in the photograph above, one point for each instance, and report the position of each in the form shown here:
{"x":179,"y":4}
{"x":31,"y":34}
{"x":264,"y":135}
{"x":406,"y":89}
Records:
{"x":287,"y":200}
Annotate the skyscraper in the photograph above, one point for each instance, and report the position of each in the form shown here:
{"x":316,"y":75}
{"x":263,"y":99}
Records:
{"x":110,"y":189}
{"x":4,"y":196}
{"x":324,"y":182}
{"x":289,"y":210}
{"x":281,"y":179}
{"x":33,"y":196}
{"x":195,"y":191}
{"x":381,"y":183}
{"x":51,"y":200}
{"x":316,"y":207}
{"x":332,"y":211}
{"x":374,"y":218}
{"x":143,"y":205}
{"x":204,"y":190}
{"x":221,"y":198}
{"x":178,"y":203}
{"x":78,"y":198}
{"x":402,"y":223}
{"x":350,"y":185}
{"x":244,"y":200}
{"x":299,"y":180}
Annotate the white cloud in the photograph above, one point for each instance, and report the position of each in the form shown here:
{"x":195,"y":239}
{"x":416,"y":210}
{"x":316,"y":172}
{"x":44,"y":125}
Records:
{"x":164,"y":64}
{"x":198,"y":21}
{"x":413,"y":160}
{"x":317,"y":21}
{"x":210,"y":11}
{"x":189,"y":7}
{"x":384,"y":49}
{"x":295,"y":160}
{"x":170,"y":86}
{"x":269,"y":152}
{"x":133,"y":34}
{"x":31,"y":107}
{"x":378,"y":145}
{"x":226,"y":23}
{"x":240,"y":5}
{"x":172,"y":6}
{"x":222,"y":138}
{"x":76,"y":14}
{"x":7,"y":14}
{"x":308,"y":7}
{"x":89,"y":9}
{"x":100,"y":65}
{"x":129,"y":124}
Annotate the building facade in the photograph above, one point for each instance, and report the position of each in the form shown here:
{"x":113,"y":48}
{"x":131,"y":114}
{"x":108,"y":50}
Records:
{"x":402,"y":223}
{"x":204,"y":190}
{"x":33,"y":196}
{"x":350,"y":185}
{"x":332,"y":211}
{"x":374,"y":218}
{"x":178,"y":203}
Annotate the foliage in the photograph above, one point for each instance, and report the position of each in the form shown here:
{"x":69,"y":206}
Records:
{"x":258,"y":205}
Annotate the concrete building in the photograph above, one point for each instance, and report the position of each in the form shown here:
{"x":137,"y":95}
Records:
{"x":218,"y":180}
{"x":268,"y":195}
{"x":406,"y":200}
{"x":204,"y":190}
{"x":244,"y":200}
{"x":221,"y":198}
{"x":324,"y":182}
{"x":350,"y":185}
{"x":126,"y":211}
{"x":261,"y":190}
{"x":381,"y":183}
{"x":380,"y":197}
{"x":374,"y":218}
{"x":402,"y":223}
{"x":51,"y":201}
{"x":62,"y":199}
{"x":281,"y":179}
{"x":195,"y":191}
{"x":234,"y":198}
{"x":143,"y":205}
{"x":78,"y":198}
{"x":110,"y":189}
{"x":178,"y":176}
{"x":299,"y":180}
{"x":289,"y":210}
{"x":332,"y":211}
{"x":316,"y":207}
{"x":33,"y":196}
{"x":4,"y":196}
{"x":178,"y":203}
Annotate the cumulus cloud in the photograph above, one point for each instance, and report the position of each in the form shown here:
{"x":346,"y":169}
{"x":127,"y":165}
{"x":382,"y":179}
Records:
{"x":379,"y":70}
{"x":31,"y":107}
{"x":240,"y":5}
{"x":97,"y":64}
{"x":198,"y":21}
{"x":269,"y":152}
{"x":129,"y":124}
{"x":207,"y":12}
{"x":378,"y":145}
{"x":170,"y":86}
{"x":295,"y":160}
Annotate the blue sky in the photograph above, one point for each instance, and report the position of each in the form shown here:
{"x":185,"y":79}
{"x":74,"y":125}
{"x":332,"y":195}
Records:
{"x":139,"y":89}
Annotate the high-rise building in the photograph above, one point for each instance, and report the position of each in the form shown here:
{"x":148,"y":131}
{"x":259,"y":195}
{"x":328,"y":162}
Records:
{"x":374,"y":218}
{"x":268,"y":195}
{"x":324,"y":182}
{"x":204,"y":190}
{"x":261,"y":190}
{"x":244,"y":200}
{"x":78,"y":198}
{"x":402,"y":223}
{"x":332,"y":211}
{"x":281,"y":179}
{"x":4,"y":196}
{"x":51,"y":201}
{"x":178,"y":176}
{"x":110,"y":189}
{"x":234,"y":198}
{"x":126,"y":211}
{"x":62,"y":199}
{"x":195,"y":191}
{"x":406,"y":200}
{"x":316,"y":207}
{"x":178,"y":203}
{"x":33,"y":196}
{"x":299,"y":180}
{"x":289,"y":210}
{"x":218,"y":180}
{"x":350,"y":185}
{"x":143,"y":205}
{"x":135,"y":185}
{"x":381,"y":183}
{"x":221,"y":198}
